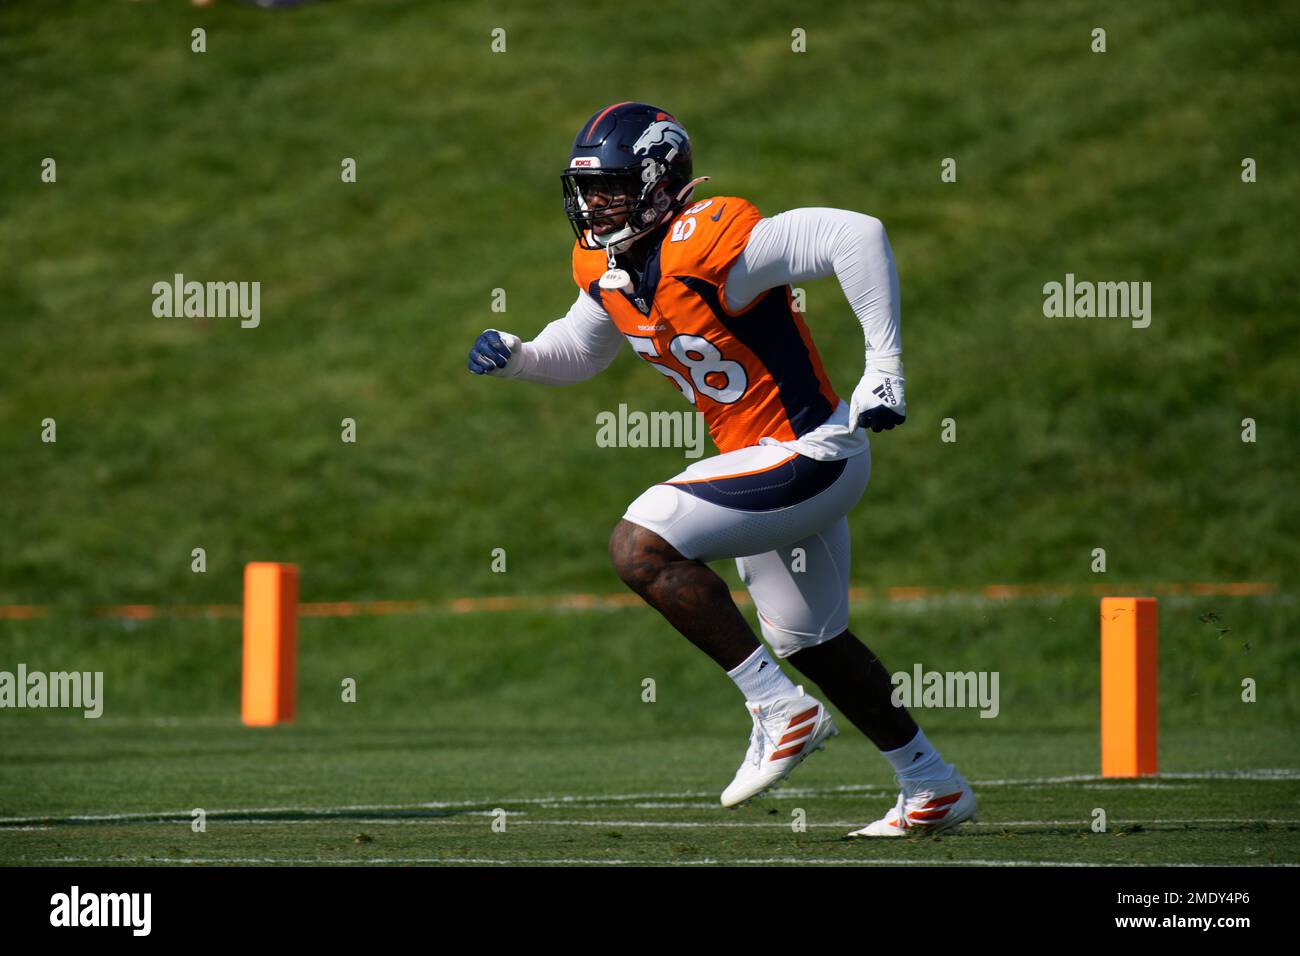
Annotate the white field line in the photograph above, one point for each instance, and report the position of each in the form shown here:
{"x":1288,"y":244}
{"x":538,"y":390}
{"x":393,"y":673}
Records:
{"x":581,"y":861}
{"x":789,"y":793}
{"x":554,"y":801}
{"x":516,"y":820}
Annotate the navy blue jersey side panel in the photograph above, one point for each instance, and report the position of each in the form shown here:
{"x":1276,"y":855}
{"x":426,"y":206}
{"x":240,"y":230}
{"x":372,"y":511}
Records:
{"x":768,"y":330}
{"x":650,"y":277}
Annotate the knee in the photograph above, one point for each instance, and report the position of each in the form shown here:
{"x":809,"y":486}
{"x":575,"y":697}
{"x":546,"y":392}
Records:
{"x":639,"y":555}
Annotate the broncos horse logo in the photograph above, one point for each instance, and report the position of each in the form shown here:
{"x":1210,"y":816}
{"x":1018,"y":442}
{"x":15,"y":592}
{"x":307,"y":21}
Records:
{"x":657,"y":133}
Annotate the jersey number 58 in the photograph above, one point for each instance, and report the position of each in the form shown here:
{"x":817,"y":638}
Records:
{"x":720,"y":379}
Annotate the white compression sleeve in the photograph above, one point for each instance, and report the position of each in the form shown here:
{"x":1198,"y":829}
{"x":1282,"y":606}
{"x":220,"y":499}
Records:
{"x":814,"y":242}
{"x":572,"y":348}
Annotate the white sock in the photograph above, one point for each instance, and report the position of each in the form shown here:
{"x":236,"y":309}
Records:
{"x":761,"y":680}
{"x":916,"y":760}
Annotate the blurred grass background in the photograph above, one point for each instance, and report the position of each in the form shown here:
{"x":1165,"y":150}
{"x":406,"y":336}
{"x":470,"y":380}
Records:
{"x":1072,"y":434}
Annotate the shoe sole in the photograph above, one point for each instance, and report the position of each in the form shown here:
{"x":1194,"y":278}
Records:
{"x":808,"y":752}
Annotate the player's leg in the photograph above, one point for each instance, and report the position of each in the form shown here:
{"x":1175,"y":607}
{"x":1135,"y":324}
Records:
{"x":853,"y":679}
{"x":685,"y":591}
{"x":788,"y":725}
{"x":742,"y":502}
{"x":801,"y":593}
{"x":934,"y":795}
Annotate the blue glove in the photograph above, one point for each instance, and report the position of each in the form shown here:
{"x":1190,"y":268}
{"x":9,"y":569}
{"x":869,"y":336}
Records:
{"x":880,"y":419}
{"x":495,"y":353}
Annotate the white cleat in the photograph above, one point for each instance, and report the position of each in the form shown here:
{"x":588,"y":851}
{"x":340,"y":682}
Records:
{"x":785,"y":731}
{"x":926,"y":806}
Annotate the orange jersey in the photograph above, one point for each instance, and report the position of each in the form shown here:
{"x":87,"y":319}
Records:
{"x":754,"y":373}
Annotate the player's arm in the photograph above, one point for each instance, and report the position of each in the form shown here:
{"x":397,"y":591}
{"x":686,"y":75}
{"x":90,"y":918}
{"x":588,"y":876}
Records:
{"x":573,"y":348}
{"x":812,"y":243}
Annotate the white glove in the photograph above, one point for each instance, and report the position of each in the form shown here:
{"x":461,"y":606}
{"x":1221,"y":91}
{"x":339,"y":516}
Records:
{"x":877,"y":401}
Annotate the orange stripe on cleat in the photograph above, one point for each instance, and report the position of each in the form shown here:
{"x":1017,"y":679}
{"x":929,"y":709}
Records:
{"x":943,"y":801}
{"x":787,"y":752}
{"x":928,"y":815}
{"x":795,"y":735}
{"x":808,"y":714}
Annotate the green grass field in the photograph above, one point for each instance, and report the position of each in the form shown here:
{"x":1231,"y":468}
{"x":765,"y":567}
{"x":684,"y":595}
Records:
{"x":1072,"y":434}
{"x":541,"y":715}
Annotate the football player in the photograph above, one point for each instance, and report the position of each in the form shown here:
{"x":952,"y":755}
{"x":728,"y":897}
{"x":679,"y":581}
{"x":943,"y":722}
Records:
{"x":702,"y":291}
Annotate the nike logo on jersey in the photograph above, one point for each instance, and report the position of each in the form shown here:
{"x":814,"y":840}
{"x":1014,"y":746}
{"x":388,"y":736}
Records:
{"x":719,"y":213}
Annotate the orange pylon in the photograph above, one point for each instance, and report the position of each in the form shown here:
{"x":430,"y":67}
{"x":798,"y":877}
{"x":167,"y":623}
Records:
{"x":270,"y":643}
{"x":1128,"y":686}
